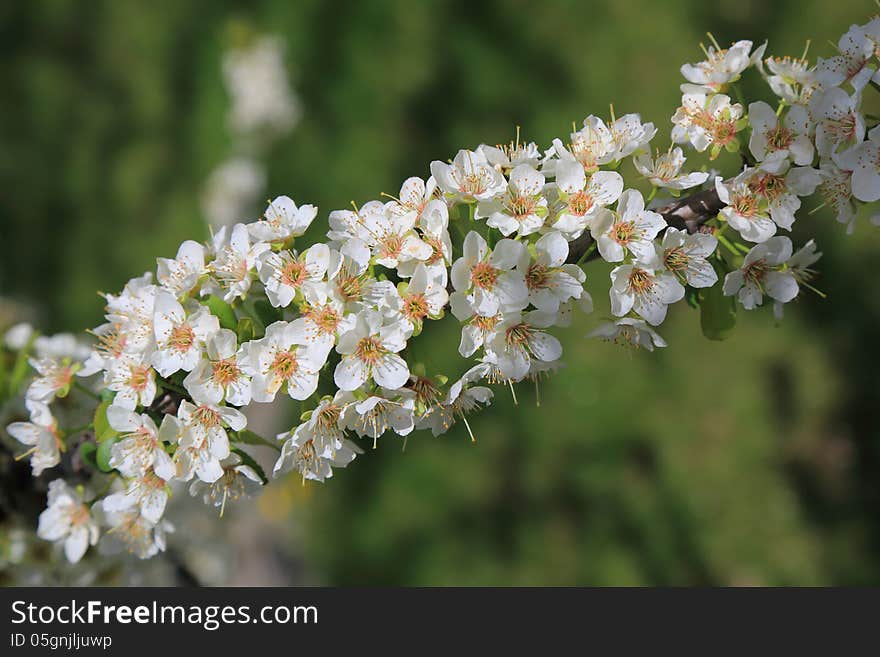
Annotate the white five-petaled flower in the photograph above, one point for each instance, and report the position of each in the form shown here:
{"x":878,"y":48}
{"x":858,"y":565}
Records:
{"x":133,"y":380}
{"x":221,"y":375}
{"x":631,"y":229}
{"x":800,"y":265}
{"x":470,"y":177}
{"x":629,"y":135}
{"x":284,"y":274}
{"x":200,"y":433}
{"x":518,"y":340}
{"x":549,"y":280}
{"x":486,"y":280}
{"x":147,"y":492}
{"x":380,"y":412}
{"x":721,"y":67}
{"x":864,"y":162}
{"x":282,"y":220}
{"x":582,"y":197}
{"x":461,"y":399}
{"x":745,"y":210}
{"x":181,"y":273}
{"x":685,"y":254}
{"x":318,"y":445}
{"x":521,"y":208}
{"x":775,"y":140}
{"x":284,"y":358}
{"x":851,"y":65}
{"x":135,"y":532}
{"x":665,"y":170}
{"x":791,"y":79}
{"x":180,"y":338}
{"x":139,"y":448}
{"x":369,"y":349}
{"x":630,"y":332}
{"x":54,"y":377}
{"x":40,"y":434}
{"x":645,"y":289}
{"x":839,"y":123}
{"x":836,"y":191}
{"x":421,"y":297}
{"x":591,"y":146}
{"x":415,"y":194}
{"x":235,"y":262}
{"x":782,"y":189}
{"x":760,"y":274}
{"x":706,"y":121}
{"x":238,"y":480}
{"x":68,"y":519}
{"x":434,"y":227}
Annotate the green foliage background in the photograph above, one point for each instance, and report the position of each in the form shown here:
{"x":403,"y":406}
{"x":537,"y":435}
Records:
{"x":752,"y":461}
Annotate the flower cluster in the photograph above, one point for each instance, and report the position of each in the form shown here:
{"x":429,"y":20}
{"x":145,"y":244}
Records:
{"x":495,"y":240}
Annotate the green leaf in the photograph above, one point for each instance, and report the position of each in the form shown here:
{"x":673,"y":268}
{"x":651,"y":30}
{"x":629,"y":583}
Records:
{"x":247,"y":460}
{"x":717,"y":312}
{"x":87,"y":452}
{"x":21,"y":367}
{"x":245,"y":330}
{"x":266,"y":313}
{"x":248,"y":437}
{"x":222,"y":311}
{"x":103,"y":430}
{"x":102,"y":457}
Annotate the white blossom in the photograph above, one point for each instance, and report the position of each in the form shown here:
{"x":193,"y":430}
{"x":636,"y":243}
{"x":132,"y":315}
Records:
{"x":761,"y":274}
{"x":68,"y":520}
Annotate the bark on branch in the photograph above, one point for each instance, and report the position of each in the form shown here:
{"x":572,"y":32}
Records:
{"x":687,"y":213}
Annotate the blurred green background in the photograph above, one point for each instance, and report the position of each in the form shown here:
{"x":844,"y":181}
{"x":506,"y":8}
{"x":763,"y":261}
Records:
{"x":751,"y":461}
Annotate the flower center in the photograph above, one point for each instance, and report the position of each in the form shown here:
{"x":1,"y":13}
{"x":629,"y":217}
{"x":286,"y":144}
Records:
{"x":518,"y":336}
{"x":640,"y":282}
{"x":769,"y":185}
{"x":138,"y":377}
{"x":484,"y":275}
{"x":181,"y":338}
{"x":485,"y":324}
{"x":538,"y":276}
{"x":206,"y":417}
{"x":369,"y":350}
{"x":436,"y":249}
{"x":623,"y":231}
{"x":474,"y":183}
{"x":745,"y":204}
{"x":350,"y":287}
{"x":325,"y":318}
{"x":580,"y":203}
{"x":521,"y":206}
{"x":676,"y":259}
{"x":779,"y":138}
{"x":225,"y":371}
{"x":294,"y":273}
{"x":755,"y":272}
{"x":415,"y":307}
{"x":391,"y":246}
{"x":285,"y":364}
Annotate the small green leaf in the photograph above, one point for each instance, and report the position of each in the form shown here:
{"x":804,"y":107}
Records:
{"x":245,"y":330}
{"x":266,"y":313}
{"x":87,"y":452}
{"x":247,"y":460}
{"x":222,"y":311}
{"x":102,"y":456}
{"x":103,"y":430}
{"x":248,"y":437}
{"x":717,"y":312}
